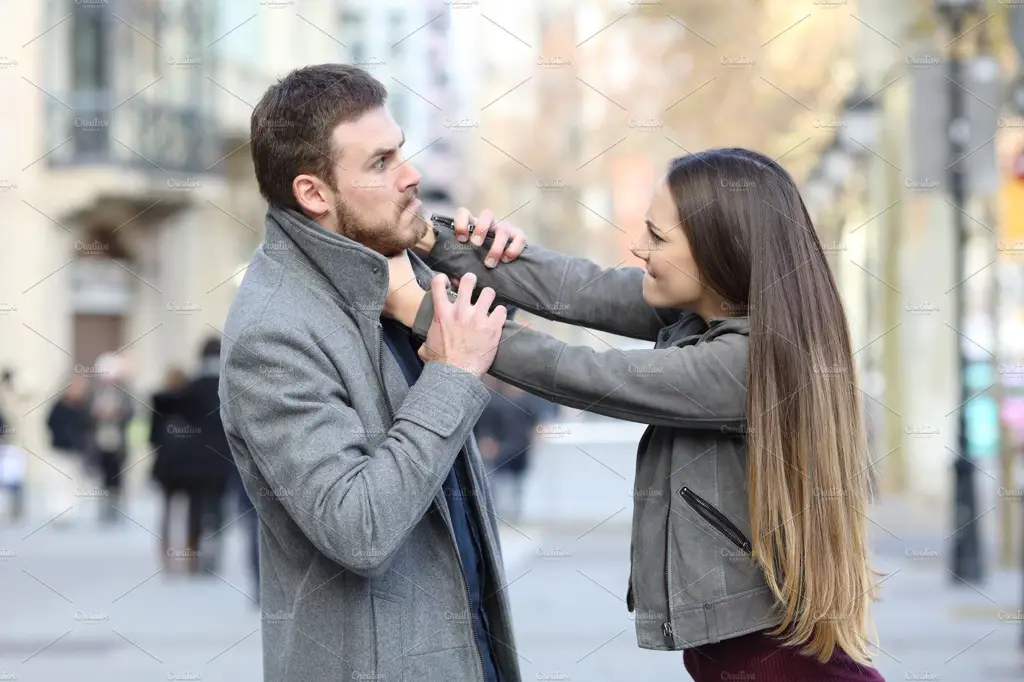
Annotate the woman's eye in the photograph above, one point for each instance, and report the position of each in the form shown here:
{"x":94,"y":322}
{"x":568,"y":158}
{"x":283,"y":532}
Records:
{"x":655,"y":237}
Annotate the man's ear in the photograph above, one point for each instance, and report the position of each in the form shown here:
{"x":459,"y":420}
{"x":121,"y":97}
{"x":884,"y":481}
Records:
{"x":310,"y":193}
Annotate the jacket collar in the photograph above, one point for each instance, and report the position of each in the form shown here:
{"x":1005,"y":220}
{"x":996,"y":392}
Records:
{"x":725,"y":325}
{"x":350,"y":272}
{"x":691,"y":325}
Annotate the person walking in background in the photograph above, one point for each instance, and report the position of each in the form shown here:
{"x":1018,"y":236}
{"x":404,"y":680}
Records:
{"x":68,"y":424}
{"x":12,"y":457}
{"x":110,"y":409}
{"x":175,"y":471}
{"x":506,"y":432}
{"x":199,"y":462}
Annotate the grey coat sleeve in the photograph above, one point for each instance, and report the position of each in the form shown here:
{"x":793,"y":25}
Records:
{"x":700,"y":386}
{"x":558,"y":287}
{"x":355,"y":502}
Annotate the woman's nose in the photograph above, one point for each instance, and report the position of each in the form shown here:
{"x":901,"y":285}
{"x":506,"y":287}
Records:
{"x":638,"y":249}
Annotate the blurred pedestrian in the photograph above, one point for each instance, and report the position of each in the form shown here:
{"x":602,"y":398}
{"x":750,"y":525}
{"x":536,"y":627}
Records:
{"x":505,"y":433}
{"x":110,"y":409}
{"x":199,"y":462}
{"x":175,"y":471}
{"x":68,"y":424}
{"x":12,"y":457}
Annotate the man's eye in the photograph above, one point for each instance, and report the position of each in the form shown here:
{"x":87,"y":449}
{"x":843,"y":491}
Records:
{"x":379,"y":164}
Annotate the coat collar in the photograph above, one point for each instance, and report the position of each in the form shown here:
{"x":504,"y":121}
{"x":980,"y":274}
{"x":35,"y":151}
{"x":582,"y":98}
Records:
{"x":350,"y":272}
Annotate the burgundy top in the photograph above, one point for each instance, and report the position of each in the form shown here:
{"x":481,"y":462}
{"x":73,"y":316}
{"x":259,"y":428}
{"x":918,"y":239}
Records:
{"x":758,"y":657}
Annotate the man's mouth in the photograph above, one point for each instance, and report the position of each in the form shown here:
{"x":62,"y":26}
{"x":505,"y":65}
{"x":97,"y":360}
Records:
{"x":412,"y":205}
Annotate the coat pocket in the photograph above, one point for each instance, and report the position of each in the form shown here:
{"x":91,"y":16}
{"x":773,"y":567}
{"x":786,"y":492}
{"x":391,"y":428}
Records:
{"x":388,"y":636}
{"x":715,"y":518}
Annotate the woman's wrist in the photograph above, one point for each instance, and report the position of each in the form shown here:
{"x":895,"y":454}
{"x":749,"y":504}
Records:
{"x":408,"y":304}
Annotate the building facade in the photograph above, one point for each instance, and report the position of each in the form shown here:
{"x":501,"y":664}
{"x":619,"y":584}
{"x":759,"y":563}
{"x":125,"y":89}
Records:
{"x":130,"y":203}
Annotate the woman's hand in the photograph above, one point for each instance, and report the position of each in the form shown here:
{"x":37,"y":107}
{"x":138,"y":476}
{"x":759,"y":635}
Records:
{"x":484,"y":225}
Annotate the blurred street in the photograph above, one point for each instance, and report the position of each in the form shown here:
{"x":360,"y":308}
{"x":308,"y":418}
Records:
{"x":92,"y":602}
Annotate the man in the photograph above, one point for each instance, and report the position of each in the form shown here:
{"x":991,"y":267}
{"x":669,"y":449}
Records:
{"x":378,"y":548}
{"x":205,"y":468}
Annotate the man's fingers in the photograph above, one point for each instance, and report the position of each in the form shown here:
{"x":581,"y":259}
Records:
{"x":499,"y":315}
{"x":485,"y":299}
{"x":483,"y":226}
{"x":439,"y":292}
{"x":462,"y":219}
{"x":465,"y":295}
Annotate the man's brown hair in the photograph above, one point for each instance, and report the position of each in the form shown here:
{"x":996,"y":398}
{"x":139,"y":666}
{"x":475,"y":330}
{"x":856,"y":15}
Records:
{"x":292,"y":123}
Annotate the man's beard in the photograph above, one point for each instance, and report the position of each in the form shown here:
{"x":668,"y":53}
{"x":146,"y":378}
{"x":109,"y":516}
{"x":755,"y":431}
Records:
{"x":387,"y":237}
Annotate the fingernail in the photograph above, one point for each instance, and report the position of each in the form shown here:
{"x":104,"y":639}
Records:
{"x":462,"y":237}
{"x":490,"y":262}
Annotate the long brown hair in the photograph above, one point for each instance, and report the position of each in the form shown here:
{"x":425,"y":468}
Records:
{"x":807,"y":457}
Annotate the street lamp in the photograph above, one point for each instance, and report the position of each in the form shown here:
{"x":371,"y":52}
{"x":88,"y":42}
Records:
{"x":836,"y":164}
{"x":859,"y":124}
{"x":819,"y":191}
{"x":966,"y":553}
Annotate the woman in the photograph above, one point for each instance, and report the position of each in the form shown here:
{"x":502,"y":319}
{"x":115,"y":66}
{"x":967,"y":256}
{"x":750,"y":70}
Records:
{"x":749,"y":547}
{"x":110,"y":410}
{"x":68,"y":423}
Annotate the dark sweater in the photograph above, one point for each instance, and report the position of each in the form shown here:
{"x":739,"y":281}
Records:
{"x":465,"y":524}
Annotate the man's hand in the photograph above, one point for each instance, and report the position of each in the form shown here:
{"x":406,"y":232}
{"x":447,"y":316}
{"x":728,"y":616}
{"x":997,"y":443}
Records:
{"x":463,"y":334}
{"x":484,"y":225}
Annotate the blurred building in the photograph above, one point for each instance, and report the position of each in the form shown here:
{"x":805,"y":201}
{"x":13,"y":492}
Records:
{"x":130,"y":204}
{"x":406,"y":46}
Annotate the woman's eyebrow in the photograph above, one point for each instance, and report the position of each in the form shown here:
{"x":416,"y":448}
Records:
{"x":654,"y":228}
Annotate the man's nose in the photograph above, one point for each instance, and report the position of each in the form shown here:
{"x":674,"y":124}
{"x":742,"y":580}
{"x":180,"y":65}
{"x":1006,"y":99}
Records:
{"x":410,"y":178}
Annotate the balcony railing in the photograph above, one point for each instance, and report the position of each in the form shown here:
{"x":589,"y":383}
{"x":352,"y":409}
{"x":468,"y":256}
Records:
{"x":139,"y":134}
{"x":127,"y":85}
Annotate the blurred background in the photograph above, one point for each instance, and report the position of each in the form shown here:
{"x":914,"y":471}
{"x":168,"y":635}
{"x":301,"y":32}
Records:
{"x":130,"y":211}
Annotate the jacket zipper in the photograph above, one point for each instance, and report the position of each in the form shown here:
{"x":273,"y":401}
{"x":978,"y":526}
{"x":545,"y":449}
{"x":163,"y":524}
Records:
{"x":451,"y":533}
{"x":666,"y":627}
{"x":716,"y":518}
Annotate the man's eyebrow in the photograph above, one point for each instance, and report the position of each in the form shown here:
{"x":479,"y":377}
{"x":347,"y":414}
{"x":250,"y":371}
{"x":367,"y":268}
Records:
{"x":383,"y":151}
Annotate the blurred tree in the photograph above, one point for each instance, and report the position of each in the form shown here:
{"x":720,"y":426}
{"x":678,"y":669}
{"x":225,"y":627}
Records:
{"x":765,"y":74}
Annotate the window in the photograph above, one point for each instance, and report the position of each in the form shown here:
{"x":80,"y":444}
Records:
{"x":240,"y":30}
{"x":90,"y":48}
{"x":358,"y":52}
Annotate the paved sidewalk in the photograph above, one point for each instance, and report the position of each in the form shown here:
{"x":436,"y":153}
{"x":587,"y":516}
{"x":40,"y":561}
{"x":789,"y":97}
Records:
{"x":91,"y":603}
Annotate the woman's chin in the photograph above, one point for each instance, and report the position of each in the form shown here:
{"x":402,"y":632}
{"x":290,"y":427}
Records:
{"x":651,"y":297}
